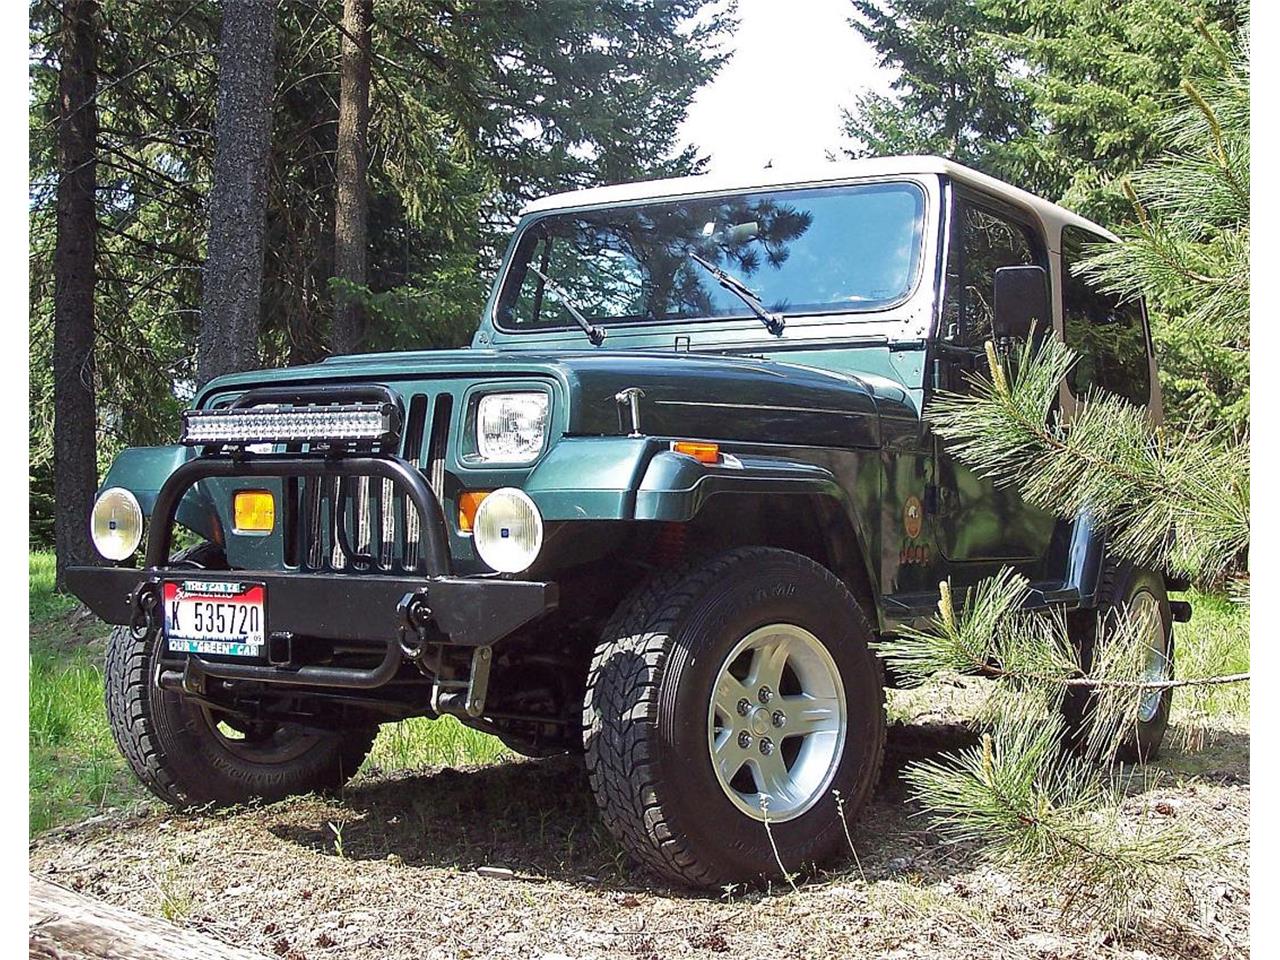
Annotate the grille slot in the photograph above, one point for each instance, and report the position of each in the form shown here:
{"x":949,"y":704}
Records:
{"x":378,"y":522}
{"x":439,"y":443}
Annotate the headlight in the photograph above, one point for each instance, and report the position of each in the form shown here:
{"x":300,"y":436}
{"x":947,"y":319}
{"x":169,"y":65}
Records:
{"x":116,"y":524}
{"x":512,"y":427}
{"x":508,"y":530}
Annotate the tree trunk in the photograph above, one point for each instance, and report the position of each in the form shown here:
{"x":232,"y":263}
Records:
{"x":232,"y":296}
{"x":351,"y":207}
{"x":75,"y":457}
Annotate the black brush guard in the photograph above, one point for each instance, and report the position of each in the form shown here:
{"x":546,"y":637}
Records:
{"x":401,"y":611}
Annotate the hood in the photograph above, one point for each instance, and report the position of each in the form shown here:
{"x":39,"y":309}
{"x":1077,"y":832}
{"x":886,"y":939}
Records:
{"x":699,"y":396}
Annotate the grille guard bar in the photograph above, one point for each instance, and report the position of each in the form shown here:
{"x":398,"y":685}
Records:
{"x":433,"y":542}
{"x":466,"y":611}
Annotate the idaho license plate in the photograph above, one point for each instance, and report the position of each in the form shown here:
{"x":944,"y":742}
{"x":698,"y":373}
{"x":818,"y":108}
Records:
{"x":219,"y":617}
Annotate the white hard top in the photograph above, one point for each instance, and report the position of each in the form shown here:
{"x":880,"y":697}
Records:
{"x":1053,"y":216}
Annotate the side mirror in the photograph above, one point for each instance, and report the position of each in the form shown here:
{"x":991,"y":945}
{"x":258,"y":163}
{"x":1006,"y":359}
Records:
{"x":1021,"y":302}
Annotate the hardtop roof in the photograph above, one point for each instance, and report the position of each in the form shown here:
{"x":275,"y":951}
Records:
{"x":1053,"y":216}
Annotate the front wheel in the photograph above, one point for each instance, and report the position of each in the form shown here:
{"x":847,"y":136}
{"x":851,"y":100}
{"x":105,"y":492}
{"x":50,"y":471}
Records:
{"x":190,"y":755}
{"x":734,"y":706}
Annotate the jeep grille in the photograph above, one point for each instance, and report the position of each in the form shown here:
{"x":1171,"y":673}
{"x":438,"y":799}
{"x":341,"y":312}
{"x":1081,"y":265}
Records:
{"x":379,"y":523}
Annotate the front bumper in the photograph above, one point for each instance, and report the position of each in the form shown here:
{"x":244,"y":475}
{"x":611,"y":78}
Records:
{"x":468,"y":611}
{"x":459,"y":611}
{"x":399,"y":613}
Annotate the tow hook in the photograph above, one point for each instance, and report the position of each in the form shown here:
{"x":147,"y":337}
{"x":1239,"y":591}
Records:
{"x":414,"y":616}
{"x":465,"y":696}
{"x":451,"y":693}
{"x":144,"y":604}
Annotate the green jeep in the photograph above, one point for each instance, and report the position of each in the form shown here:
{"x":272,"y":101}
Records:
{"x":658,"y":512}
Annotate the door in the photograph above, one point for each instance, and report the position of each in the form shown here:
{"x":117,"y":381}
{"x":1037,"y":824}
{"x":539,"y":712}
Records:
{"x":974,"y":519}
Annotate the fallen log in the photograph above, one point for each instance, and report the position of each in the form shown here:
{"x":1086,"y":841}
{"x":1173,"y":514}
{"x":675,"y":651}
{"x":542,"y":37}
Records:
{"x":65,"y":925}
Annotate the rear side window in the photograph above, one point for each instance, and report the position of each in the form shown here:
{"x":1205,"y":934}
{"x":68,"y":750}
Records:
{"x":1109,"y":336}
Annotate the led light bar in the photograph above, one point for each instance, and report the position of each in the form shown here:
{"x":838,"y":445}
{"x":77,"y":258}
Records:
{"x":332,"y":423}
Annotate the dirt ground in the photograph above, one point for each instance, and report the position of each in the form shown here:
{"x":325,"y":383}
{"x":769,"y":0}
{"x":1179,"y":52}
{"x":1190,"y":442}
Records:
{"x":511,"y":861}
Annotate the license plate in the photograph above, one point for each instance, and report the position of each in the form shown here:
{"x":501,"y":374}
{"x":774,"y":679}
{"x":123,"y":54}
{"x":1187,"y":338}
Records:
{"x":219,"y":617}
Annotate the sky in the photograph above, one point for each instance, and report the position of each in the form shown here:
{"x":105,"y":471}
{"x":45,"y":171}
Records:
{"x":796,"y":63}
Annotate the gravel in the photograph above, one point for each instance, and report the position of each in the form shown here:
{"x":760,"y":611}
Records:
{"x":511,"y":861}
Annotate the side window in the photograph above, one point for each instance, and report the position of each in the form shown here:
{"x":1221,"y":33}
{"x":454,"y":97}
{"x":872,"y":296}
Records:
{"x":981,"y":241}
{"x":1109,"y":336}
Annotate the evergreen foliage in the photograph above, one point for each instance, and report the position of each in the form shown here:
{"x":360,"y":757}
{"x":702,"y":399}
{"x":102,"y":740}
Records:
{"x":1061,"y":97}
{"x":1170,"y":500}
{"x":954,"y":94}
{"x":1028,"y":803}
{"x":1187,"y":248}
{"x":1173,"y":502}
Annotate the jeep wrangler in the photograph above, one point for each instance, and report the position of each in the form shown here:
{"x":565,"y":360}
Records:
{"x":658,"y":512}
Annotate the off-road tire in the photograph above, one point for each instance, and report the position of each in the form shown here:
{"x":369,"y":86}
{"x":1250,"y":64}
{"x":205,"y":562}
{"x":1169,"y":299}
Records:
{"x":645,"y":716}
{"x":172,"y":747}
{"x":1121,"y":582}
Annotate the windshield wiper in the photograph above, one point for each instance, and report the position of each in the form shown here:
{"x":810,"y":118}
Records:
{"x":594,"y":333}
{"x":774,"y":322}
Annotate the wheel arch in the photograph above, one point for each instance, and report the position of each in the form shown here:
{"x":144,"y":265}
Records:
{"x":814,"y":525}
{"x":763,"y":501}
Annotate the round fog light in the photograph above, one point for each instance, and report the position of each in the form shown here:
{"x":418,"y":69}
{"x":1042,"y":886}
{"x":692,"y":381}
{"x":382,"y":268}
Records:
{"x":116,"y":525}
{"x":508,"y":530}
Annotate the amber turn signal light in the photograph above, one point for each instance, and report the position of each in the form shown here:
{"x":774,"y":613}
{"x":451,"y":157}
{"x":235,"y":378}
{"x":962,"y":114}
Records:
{"x":255,"y":511}
{"x":468,"y":503}
{"x":702,"y":452}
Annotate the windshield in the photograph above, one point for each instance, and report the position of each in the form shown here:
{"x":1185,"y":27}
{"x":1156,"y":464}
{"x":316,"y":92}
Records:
{"x":832,"y":249}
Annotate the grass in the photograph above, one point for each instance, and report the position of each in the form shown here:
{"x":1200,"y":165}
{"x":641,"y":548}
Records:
{"x":74,"y":768}
{"x":1214,"y":643}
{"x":45,"y":602}
{"x":418,"y":742}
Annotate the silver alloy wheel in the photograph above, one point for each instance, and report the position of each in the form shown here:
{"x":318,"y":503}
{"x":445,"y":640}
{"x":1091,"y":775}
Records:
{"x":1157,"y":666}
{"x":777,"y":721}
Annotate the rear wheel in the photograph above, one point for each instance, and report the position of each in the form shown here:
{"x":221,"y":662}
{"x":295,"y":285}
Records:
{"x":1142,"y":593}
{"x":189,"y":754}
{"x":731,"y":706}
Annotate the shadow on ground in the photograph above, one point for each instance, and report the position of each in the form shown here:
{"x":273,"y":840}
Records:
{"x":539,"y":819}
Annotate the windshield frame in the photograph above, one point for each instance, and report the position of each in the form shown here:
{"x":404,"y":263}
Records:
{"x":922,"y":185}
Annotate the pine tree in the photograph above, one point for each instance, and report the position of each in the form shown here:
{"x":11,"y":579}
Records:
{"x":954,"y":93}
{"x":1173,"y":502}
{"x":74,"y":422}
{"x":1186,"y":250}
{"x":1060,"y":97}
{"x":351,"y":206}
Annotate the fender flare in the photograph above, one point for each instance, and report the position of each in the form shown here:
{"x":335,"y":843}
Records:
{"x":675,"y":486}
{"x":143,"y":471}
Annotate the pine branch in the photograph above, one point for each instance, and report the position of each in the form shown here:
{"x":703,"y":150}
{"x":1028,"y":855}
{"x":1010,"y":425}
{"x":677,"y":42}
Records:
{"x":1180,"y":503}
